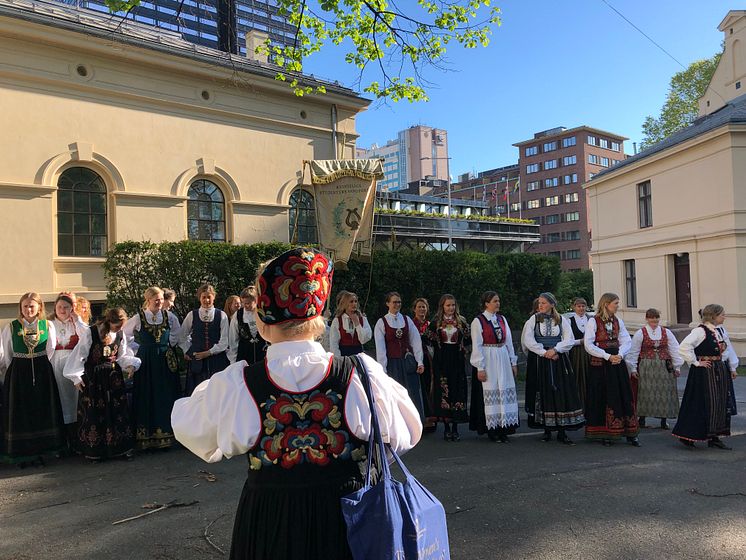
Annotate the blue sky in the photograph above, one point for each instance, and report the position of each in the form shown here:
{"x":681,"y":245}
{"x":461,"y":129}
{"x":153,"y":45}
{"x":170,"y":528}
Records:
{"x":551,"y":63}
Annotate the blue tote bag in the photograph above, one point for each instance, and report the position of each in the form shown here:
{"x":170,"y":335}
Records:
{"x":391,"y":519}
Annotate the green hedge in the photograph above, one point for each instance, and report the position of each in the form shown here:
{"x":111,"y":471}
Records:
{"x":573,"y":285}
{"x":518,"y":278}
{"x":183,"y":266}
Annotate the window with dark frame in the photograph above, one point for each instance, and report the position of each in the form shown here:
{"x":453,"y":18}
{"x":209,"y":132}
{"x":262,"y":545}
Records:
{"x":205,"y":211}
{"x":302,"y":218}
{"x":645,"y":204}
{"x":630,"y":280}
{"x":81,"y":214}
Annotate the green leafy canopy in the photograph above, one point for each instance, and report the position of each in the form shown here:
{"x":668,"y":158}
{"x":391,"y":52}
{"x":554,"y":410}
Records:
{"x":681,"y":106}
{"x":380,"y":38}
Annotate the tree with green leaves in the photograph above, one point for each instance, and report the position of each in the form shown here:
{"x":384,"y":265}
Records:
{"x":681,"y":106}
{"x":393,"y":44}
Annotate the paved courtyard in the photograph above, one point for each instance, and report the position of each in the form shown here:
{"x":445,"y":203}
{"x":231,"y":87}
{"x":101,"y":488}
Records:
{"x":525,"y":500}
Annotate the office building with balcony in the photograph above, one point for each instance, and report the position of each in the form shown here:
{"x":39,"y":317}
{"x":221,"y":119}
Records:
{"x":553,"y":165}
{"x":488,"y":186}
{"x":418,"y":153}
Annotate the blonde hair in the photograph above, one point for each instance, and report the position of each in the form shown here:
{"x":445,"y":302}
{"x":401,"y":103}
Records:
{"x":35,"y":297}
{"x":605,"y":300}
{"x":205,"y":288}
{"x":711,"y":311}
{"x":415,"y":302}
{"x":79,"y":302}
{"x":150,"y":293}
{"x":343,"y":299}
{"x":227,"y":306}
{"x":249,"y":292}
{"x":440,"y":313}
{"x":556,"y":319}
{"x":314,"y":328}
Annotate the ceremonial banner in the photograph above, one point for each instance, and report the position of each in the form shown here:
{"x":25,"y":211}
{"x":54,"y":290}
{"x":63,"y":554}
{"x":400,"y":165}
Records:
{"x":345,"y":194}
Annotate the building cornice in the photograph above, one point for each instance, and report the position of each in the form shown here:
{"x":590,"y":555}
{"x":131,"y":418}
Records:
{"x":613,"y":174}
{"x":575,"y":130}
{"x":213,"y":65}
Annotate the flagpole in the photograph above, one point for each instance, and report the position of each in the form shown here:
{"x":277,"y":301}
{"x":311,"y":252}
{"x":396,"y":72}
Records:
{"x":520,"y":204}
{"x":507,"y":197}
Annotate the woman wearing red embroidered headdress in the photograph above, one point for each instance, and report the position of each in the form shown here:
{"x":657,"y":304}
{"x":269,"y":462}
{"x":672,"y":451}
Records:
{"x":302,"y":416}
{"x":609,"y":405}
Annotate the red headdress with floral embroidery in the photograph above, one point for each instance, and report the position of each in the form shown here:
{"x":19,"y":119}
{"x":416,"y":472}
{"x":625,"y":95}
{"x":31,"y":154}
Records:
{"x":294,"y":286}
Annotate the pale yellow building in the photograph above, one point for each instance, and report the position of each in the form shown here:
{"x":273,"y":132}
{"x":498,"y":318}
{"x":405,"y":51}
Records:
{"x":115,"y":132}
{"x":669,"y":224}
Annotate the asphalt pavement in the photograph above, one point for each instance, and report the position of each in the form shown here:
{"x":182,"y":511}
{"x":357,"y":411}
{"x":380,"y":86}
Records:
{"x":523,"y":500}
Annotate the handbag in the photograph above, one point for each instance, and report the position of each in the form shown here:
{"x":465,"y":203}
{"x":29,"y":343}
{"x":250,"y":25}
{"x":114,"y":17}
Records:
{"x":175,"y":359}
{"x":392,"y":519}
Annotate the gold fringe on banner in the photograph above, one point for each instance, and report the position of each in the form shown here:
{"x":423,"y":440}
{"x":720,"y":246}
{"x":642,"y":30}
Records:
{"x":325,"y":171}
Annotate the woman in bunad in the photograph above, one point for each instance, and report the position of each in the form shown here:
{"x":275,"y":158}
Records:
{"x":349,"y":329}
{"x":169,"y":302}
{"x":579,"y":358}
{"x":70,"y":330}
{"x":704,"y":414}
{"x":731,"y":364}
{"x":204,"y":339}
{"x":232,"y":305}
{"x":609,"y":406}
{"x":399,"y":349}
{"x":97,"y":368}
{"x":494,"y":402}
{"x":450,"y":336}
{"x":290,"y":505}
{"x":244,"y":341}
{"x":32,"y":420}
{"x":420,"y":318}
{"x":149,"y":334}
{"x":552,"y":400}
{"x":655,"y":362}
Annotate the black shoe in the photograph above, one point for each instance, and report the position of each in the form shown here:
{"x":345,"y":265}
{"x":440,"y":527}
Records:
{"x":717,"y":442}
{"x":504,"y":439}
{"x":547,"y":436}
{"x":455,"y":436}
{"x":493,"y":436}
{"x":664,"y":424}
{"x":633,"y":441}
{"x":687,"y":442}
{"x":447,"y":434}
{"x":606,"y":442}
{"x":566,"y":440}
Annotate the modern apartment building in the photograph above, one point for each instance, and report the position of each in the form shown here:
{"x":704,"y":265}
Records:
{"x":220,"y":24}
{"x":418,"y":153}
{"x":554,"y":164}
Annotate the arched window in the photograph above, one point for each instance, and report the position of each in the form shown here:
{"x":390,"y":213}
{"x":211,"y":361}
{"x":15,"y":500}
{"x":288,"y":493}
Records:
{"x":302,"y":218}
{"x":205,"y":211}
{"x":81,"y":214}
